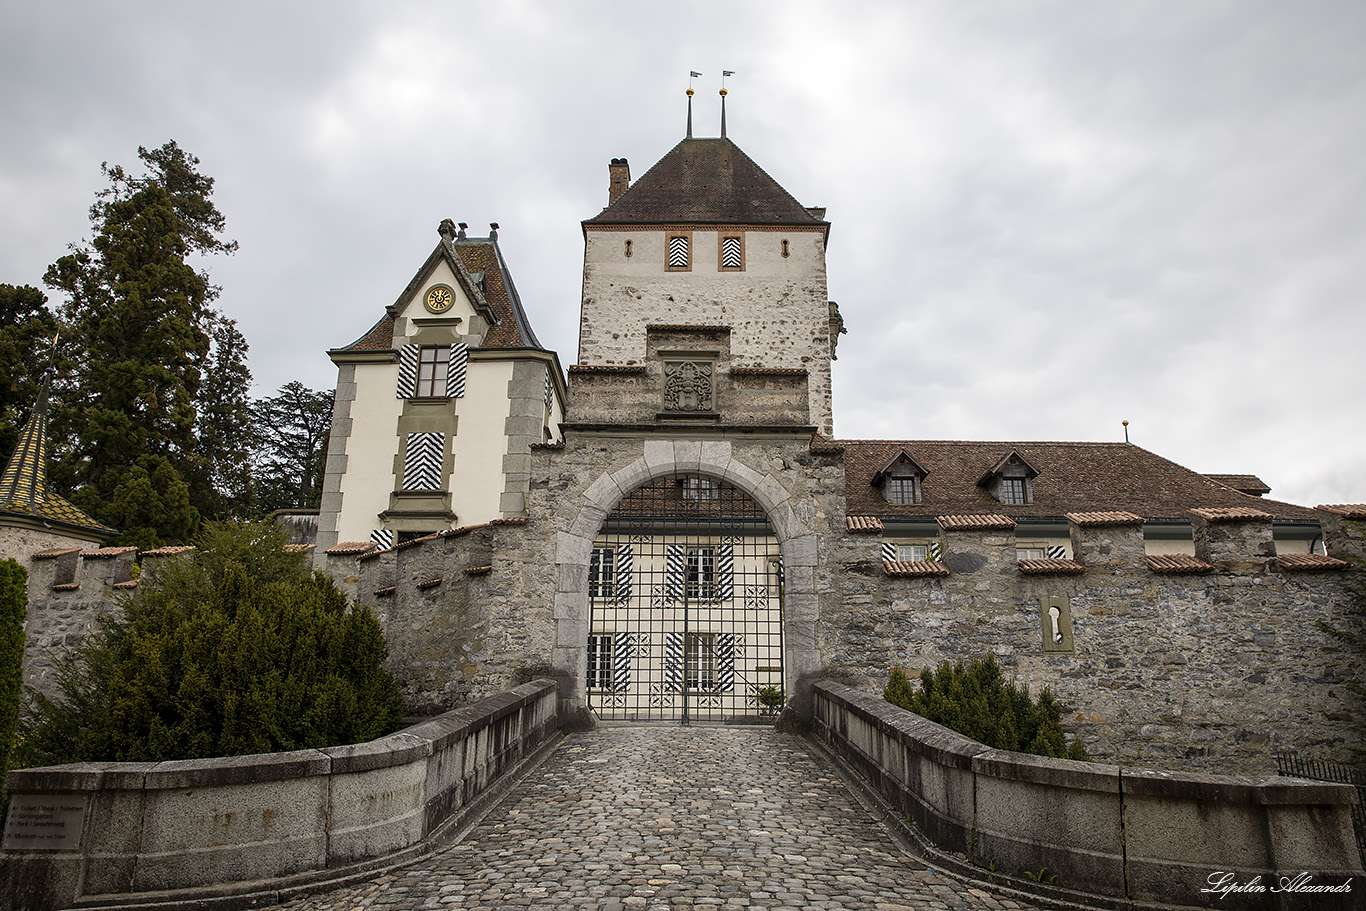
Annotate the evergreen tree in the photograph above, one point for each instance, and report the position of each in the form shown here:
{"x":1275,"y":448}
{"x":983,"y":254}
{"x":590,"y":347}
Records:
{"x":13,"y":604}
{"x":234,"y":650}
{"x":293,"y":426}
{"x":139,"y":315}
{"x":26,"y":332}
{"x":224,"y":434}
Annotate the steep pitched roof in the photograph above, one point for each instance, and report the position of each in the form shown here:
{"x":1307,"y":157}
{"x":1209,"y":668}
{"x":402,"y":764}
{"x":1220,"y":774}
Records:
{"x":709,"y":181}
{"x":23,"y":485}
{"x":1072,"y":478}
{"x":496,"y":296}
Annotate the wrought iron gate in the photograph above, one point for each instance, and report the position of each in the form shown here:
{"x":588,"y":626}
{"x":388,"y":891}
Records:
{"x":685,"y":588}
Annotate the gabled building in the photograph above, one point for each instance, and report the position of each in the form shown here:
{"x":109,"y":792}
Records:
{"x":438,"y":403}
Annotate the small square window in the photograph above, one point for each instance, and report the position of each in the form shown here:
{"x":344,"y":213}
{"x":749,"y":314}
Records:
{"x":903,"y":491}
{"x":1029,"y":553}
{"x":432,"y":367}
{"x":912,"y":552}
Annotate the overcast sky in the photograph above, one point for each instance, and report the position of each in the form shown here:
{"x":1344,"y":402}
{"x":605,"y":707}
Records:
{"x":1048,"y":217}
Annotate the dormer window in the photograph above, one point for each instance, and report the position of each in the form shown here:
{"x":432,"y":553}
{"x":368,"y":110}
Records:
{"x":1011,"y":480}
{"x":900,"y":481}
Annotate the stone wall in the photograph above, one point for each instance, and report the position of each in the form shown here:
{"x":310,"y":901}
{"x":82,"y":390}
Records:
{"x":1216,"y":666}
{"x":1100,"y":830}
{"x":256,"y":830}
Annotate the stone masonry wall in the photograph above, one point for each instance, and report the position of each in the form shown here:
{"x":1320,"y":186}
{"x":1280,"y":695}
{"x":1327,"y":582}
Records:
{"x":1213,"y":670}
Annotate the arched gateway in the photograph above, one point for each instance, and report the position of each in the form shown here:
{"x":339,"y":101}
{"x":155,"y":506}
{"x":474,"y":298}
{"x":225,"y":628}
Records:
{"x":685,"y":591}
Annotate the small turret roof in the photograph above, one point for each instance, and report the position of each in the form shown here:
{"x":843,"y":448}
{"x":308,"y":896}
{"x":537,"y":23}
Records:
{"x":23,"y":485}
{"x":708,"y":181}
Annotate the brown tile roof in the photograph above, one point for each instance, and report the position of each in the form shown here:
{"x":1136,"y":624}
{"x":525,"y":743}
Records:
{"x":351,"y":547}
{"x":499,"y":295}
{"x":1048,"y":566}
{"x":685,"y":327}
{"x":169,"y":551}
{"x":607,"y":368}
{"x":127,"y":586}
{"x":385,"y":592}
{"x":55,"y":553}
{"x":510,"y":520}
{"x":429,"y":583}
{"x":986,"y":522}
{"x":1232,"y":514}
{"x":1177,"y":563}
{"x":862,"y":524}
{"x":1346,"y":510}
{"x":478,"y":570}
{"x":1247,"y":483}
{"x":107,"y":553}
{"x":769,"y":371}
{"x":914,"y":568}
{"x":1103,"y":519}
{"x":1310,"y":562}
{"x":66,"y":587}
{"x":705,"y":181}
{"x":1073,"y":477}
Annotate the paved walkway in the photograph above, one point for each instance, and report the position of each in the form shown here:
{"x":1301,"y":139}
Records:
{"x":655,"y":817}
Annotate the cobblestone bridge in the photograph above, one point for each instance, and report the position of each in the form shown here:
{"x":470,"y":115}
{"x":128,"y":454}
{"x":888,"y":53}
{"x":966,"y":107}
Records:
{"x":646,"y":817}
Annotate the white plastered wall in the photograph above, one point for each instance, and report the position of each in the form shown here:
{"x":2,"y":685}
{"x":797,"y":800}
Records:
{"x":369,"y":477}
{"x":480,"y":441}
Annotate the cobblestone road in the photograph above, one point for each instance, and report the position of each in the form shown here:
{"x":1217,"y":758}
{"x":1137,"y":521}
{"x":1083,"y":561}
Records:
{"x":655,"y":817}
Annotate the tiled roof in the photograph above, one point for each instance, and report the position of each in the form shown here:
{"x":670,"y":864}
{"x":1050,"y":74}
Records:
{"x":1048,"y":566}
{"x":23,"y":484}
{"x":1073,"y":477}
{"x":1247,"y":483}
{"x":479,"y":570}
{"x":512,"y":329}
{"x":108,"y":553}
{"x":862,"y":524}
{"x":1177,"y":563}
{"x":769,"y":371}
{"x":607,"y":368}
{"x":429,"y":583}
{"x":1311,"y":561}
{"x":1232,"y":514}
{"x":55,"y":553}
{"x":351,"y":547}
{"x":1346,"y":510}
{"x":169,"y":551}
{"x":1103,"y":519}
{"x":986,"y":522}
{"x":685,"y":327}
{"x":914,"y":568}
{"x":705,"y":181}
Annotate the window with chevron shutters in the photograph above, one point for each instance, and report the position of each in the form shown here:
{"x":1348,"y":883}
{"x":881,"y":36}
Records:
{"x":732,"y":253}
{"x":432,"y":371}
{"x":679,"y":253}
{"x":422,"y":460}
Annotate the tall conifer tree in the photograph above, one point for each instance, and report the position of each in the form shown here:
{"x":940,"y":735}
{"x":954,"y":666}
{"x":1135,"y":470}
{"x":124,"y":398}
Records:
{"x":140,"y":317}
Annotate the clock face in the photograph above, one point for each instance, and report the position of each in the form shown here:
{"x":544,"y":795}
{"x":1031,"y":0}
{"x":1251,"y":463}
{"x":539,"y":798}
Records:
{"x":439,"y":299}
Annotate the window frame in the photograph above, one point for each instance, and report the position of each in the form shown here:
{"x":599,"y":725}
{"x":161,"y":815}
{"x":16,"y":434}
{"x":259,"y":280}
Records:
{"x":425,"y":386}
{"x":602,"y":573}
{"x":721,"y":238}
{"x":898,"y":484}
{"x":601,"y":659}
{"x":700,"y":582}
{"x":1012,"y":495}
{"x":669,"y":237}
{"x":701,"y":665}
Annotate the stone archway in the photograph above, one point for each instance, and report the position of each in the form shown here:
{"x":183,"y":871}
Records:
{"x":573,"y":550}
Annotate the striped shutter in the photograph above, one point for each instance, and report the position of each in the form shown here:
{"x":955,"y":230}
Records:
{"x":678,"y":252}
{"x":888,"y":551}
{"x":725,"y":662}
{"x":673,"y":661}
{"x":407,"y":372}
{"x":675,"y":571}
{"x":1057,"y":552}
{"x":936,"y":553}
{"x":456,"y":369}
{"x":422,"y":461}
{"x":730,"y":253}
{"x":625,"y":558}
{"x":384,"y":537}
{"x":621,"y":661}
{"x":725,"y":572}
{"x":547,"y":388}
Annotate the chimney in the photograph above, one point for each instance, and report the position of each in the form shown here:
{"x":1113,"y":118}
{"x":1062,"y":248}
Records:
{"x":618,"y":177}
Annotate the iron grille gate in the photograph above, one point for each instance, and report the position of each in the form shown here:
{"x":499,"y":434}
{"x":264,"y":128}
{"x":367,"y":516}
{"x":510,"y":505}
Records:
{"x":685,"y":587}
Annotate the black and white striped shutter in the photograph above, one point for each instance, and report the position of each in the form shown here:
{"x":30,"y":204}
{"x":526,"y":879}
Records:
{"x":678,"y":252}
{"x":675,"y":571}
{"x":888,"y":551}
{"x":407,"y":372}
{"x":547,"y":388}
{"x":625,"y":558}
{"x":384,"y":537}
{"x":621,"y":662}
{"x":1057,"y":552}
{"x":936,"y":553}
{"x":673,"y":661}
{"x":456,"y":370}
{"x":725,"y":572}
{"x":422,"y":461}
{"x":725,"y":662}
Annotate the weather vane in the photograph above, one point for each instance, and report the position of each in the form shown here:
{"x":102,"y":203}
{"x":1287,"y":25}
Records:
{"x":724,"y":74}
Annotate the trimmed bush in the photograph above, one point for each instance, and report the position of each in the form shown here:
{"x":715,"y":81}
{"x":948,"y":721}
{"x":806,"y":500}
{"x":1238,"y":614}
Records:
{"x":234,"y":650}
{"x":978,"y":702}
{"x":13,"y":606}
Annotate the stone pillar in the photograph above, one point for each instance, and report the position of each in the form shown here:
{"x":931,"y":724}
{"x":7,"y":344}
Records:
{"x":1344,"y":530}
{"x":1107,"y":540}
{"x":1234,"y":539}
{"x":978,"y":546}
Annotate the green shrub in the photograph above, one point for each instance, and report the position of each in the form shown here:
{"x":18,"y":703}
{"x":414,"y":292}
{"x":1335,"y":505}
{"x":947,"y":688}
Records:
{"x":13,"y":604}
{"x":234,"y":650}
{"x":978,"y":702}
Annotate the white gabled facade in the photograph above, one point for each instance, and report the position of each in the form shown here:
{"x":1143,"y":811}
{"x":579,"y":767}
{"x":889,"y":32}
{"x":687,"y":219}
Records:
{"x":438,"y":404}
